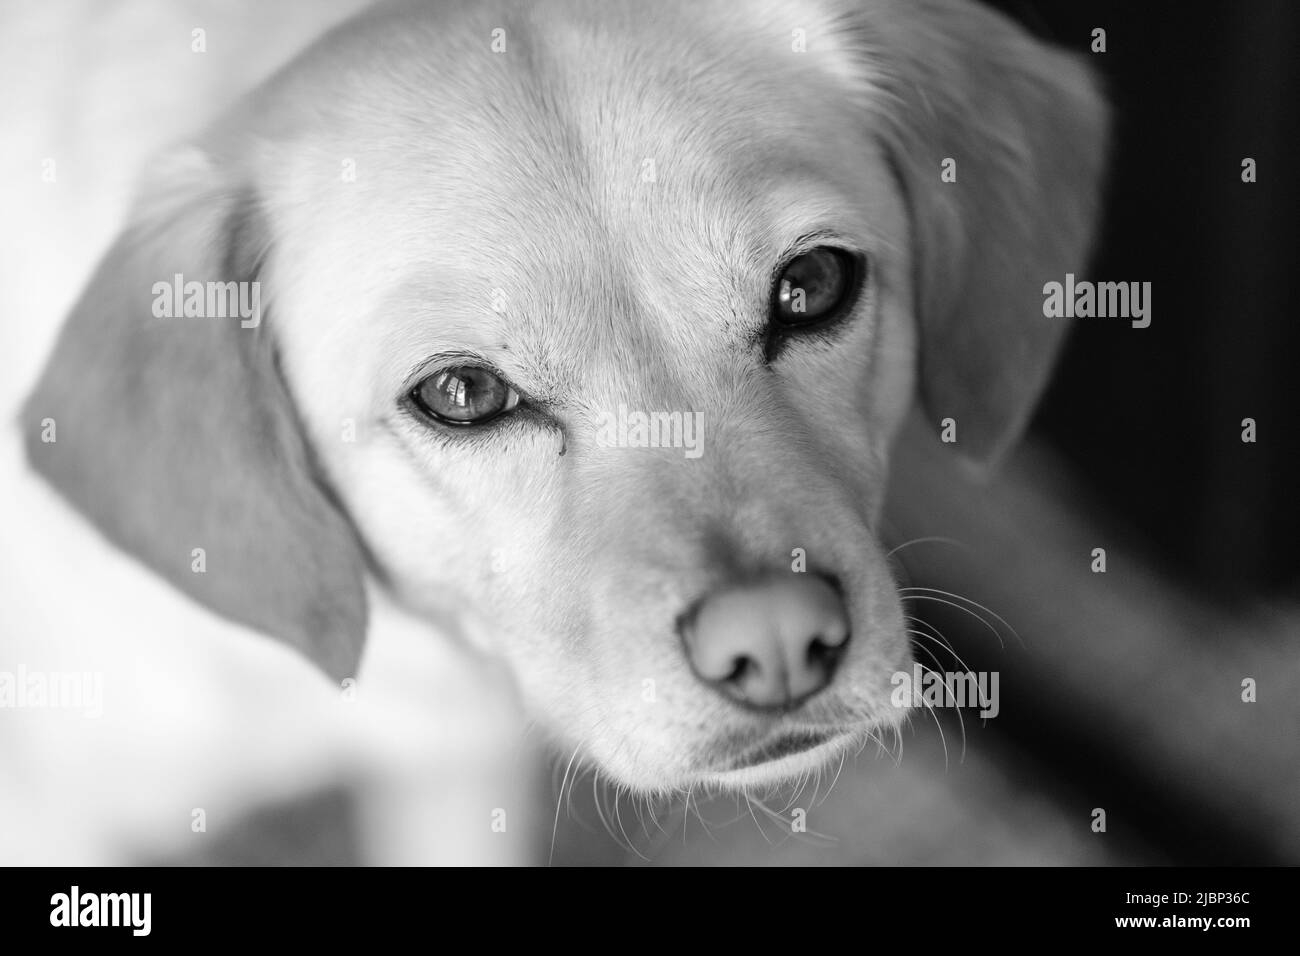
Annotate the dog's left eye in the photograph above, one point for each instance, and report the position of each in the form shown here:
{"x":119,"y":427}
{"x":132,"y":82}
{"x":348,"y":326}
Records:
{"x":816,"y":287}
{"x":464,"y":395}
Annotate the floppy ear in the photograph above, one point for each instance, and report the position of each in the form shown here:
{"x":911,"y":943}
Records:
{"x":174,"y":434}
{"x":1023,"y":128}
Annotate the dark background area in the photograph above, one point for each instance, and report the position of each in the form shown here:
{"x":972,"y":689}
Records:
{"x":1151,"y":418}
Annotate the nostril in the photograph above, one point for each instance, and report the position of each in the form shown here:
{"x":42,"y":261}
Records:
{"x":741,"y":668}
{"x":824,"y":655}
{"x":818,"y":650}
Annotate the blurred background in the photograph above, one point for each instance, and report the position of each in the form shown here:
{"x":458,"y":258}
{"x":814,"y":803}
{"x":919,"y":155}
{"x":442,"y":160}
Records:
{"x":1149,"y":419}
{"x":1146,"y":426}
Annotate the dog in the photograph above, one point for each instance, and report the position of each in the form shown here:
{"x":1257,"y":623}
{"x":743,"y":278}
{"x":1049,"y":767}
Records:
{"x":369,"y":331}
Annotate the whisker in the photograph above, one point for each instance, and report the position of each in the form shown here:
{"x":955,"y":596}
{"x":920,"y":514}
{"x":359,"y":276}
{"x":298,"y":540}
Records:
{"x":938,"y":634}
{"x":750,"y":804}
{"x":947,"y":647}
{"x":618,"y":817}
{"x":844,"y":754}
{"x":960,"y":607}
{"x":958,"y":597}
{"x":929,"y":708}
{"x":961,"y":720}
{"x":927,"y":540}
{"x":559,"y":799}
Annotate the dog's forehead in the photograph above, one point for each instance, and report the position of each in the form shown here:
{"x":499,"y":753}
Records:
{"x":599,"y":98}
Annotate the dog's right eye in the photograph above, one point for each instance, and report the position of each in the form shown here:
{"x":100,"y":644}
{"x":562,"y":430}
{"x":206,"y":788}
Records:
{"x":816,"y":287}
{"x":464,"y":395}
{"x":812,"y":293}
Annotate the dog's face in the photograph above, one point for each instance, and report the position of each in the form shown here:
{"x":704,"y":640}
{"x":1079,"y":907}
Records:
{"x":613,"y":241}
{"x":591,"y":327}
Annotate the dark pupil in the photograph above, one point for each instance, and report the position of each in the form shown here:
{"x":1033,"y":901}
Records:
{"x":464,"y":394}
{"x":819,"y":275}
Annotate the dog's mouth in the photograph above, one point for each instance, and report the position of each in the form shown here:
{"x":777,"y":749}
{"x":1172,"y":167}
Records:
{"x":779,"y":758}
{"x":778,"y":748}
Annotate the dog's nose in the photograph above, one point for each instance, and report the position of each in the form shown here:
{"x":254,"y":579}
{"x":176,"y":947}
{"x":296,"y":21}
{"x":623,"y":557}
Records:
{"x":770,"y":645}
